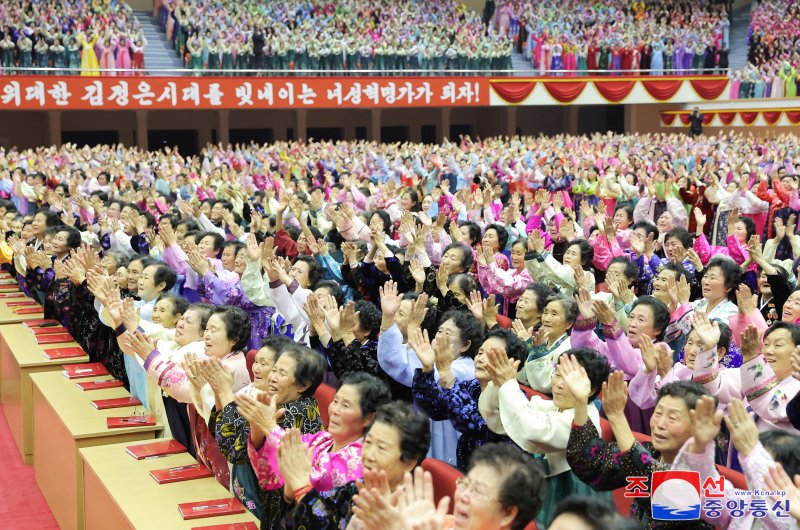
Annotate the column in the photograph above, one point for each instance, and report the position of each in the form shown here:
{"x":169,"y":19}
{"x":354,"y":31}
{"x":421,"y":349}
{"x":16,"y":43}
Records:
{"x":570,"y":119}
{"x":301,"y":129}
{"x":511,"y":121}
{"x":374,"y":133}
{"x":444,"y":123}
{"x":630,"y":118}
{"x":223,"y":126}
{"x":141,"y":129}
{"x":54,"y":128}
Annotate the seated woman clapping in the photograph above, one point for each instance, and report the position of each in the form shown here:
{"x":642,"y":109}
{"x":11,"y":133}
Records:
{"x":540,"y":426}
{"x":395,"y":444}
{"x":336,"y":453}
{"x":284,"y":369}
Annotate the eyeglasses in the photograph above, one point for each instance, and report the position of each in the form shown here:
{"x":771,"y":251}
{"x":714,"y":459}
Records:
{"x":465,"y":484}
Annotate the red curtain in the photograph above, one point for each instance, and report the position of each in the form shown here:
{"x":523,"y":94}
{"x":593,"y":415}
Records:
{"x":748,"y":117}
{"x":793,"y":115}
{"x":684,"y":118}
{"x":707,"y":117}
{"x":709,"y":88}
{"x":663,"y":89}
{"x":726,"y":117}
{"x":771,"y":117}
{"x":565,"y":92}
{"x":667,"y":118}
{"x":614,"y":91}
{"x":515,"y":91}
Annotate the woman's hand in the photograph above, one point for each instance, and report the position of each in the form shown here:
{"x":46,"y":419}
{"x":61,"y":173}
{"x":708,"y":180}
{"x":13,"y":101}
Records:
{"x":585,"y":304}
{"x":220,"y":379}
{"x":520,"y":330}
{"x":615,"y":395}
{"x":746,"y":300}
{"x":751,"y":341}
{"x":191,"y":365}
{"x":706,"y":421}
{"x":605,"y":315}
{"x":501,"y":369}
{"x":575,"y":378}
{"x":707,"y":330}
{"x":294,"y":460}
{"x":262,"y":414}
{"x":421,"y":344}
{"x":742,"y":426}
{"x":138,"y":343}
{"x":198,"y":263}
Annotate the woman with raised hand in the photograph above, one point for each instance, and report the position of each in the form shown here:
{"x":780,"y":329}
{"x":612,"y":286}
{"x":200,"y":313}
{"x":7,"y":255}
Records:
{"x":336,"y":453}
{"x":292,"y":373}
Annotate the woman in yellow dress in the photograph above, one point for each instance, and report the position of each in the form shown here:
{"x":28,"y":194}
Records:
{"x":89,"y":63}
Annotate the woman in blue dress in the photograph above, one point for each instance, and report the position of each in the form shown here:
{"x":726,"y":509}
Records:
{"x":657,"y":58}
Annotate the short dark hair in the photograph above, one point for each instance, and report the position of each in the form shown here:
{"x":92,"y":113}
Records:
{"x":73,"y":236}
{"x":661,"y":314}
{"x":688,"y":391}
{"x":217,"y":238}
{"x":163,"y":274}
{"x":731,"y":272}
{"x":204,"y":310}
{"x":277,"y":343}
{"x":431,"y":319}
{"x":502,"y":235}
{"x":627,"y":208}
{"x":464,"y":281}
{"x":648,"y":227}
{"x":369,"y":318}
{"x":51,"y":218}
{"x":749,"y":225}
{"x":314,"y":270}
{"x":541,"y":292}
{"x":466,"y":254}
{"x":334,"y":288}
{"x":473,"y":230}
{"x":725,"y":334}
{"x":523,"y":482}
{"x":678,"y":271}
{"x":784,"y":448}
{"x":586,"y":250}
{"x":682,"y":235}
{"x":237,"y":246}
{"x":470,"y":327}
{"x":515,"y":348}
{"x":793,"y":329}
{"x":372,"y":392}
{"x":237,"y":325}
{"x":179,"y":303}
{"x":595,"y":513}
{"x":631,"y":271}
{"x":412,"y":425}
{"x":596,"y":366}
{"x":567,"y":303}
{"x":385,"y":219}
{"x":309,"y":366}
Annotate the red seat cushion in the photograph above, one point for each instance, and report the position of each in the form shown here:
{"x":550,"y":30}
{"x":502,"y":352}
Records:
{"x":250,"y":359}
{"x":444,"y":479}
{"x":324,"y":396}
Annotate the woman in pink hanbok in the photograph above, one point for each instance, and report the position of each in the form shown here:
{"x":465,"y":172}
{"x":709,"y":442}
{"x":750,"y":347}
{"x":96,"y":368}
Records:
{"x":105,"y":51}
{"x":169,"y":5}
{"x":123,"y":50}
{"x":736,"y":80}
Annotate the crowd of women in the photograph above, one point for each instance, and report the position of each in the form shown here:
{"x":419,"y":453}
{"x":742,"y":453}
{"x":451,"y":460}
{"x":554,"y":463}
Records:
{"x":657,"y":38}
{"x":316,"y":35}
{"x":79,"y":37}
{"x":468,"y":301}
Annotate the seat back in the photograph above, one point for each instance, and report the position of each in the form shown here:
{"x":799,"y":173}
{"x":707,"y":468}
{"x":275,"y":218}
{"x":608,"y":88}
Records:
{"x":250,"y":360}
{"x":531,"y":392}
{"x":605,"y":430}
{"x":324,"y":395}
{"x":444,"y":479}
{"x":734,"y":477}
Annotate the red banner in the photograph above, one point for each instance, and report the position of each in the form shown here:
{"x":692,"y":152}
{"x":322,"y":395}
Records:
{"x":667,"y":118}
{"x":566,"y":91}
{"x":186,"y":93}
{"x":662,"y":89}
{"x":514,"y":91}
{"x":614,"y":91}
{"x":709,"y":88}
{"x":748,"y":117}
{"x":707,"y":118}
{"x":771,"y":117}
{"x":726,"y":117}
{"x":793,"y":115}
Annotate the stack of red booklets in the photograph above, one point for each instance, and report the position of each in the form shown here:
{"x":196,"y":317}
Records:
{"x":22,"y":303}
{"x":124,"y":422}
{"x":56,"y":338}
{"x":26,"y":310}
{"x":4,"y":296}
{"x":99,"y":385}
{"x":76,"y":371}
{"x":155,"y":449}
{"x":48,"y":330}
{"x":212,"y":508}
{"x":229,"y":526}
{"x":101,"y":404}
{"x":41,"y":322}
{"x":64,"y":353}
{"x":181,"y":473}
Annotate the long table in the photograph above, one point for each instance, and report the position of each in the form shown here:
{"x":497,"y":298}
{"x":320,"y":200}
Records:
{"x":64,"y":421}
{"x":21,"y":356}
{"x":119,"y":492}
{"x":6,"y":311}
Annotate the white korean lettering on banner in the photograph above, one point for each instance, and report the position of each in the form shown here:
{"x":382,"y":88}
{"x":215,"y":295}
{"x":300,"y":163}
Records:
{"x":372,"y":92}
{"x":35,"y":92}
{"x":424,"y":92}
{"x":389,"y":93}
{"x":307,"y":95}
{"x":354,"y":94}
{"x":244,"y":93}
{"x":467,"y":92}
{"x":144,"y":94}
{"x":60,"y":93}
{"x":192,"y":93}
{"x":11,"y":93}
{"x":169,"y":94}
{"x":119,"y":94}
{"x":449,"y":92}
{"x":287,"y":93}
{"x":265,"y":94}
{"x":214,"y":95}
{"x":335,"y":94}
{"x":94,"y":94}
{"x":406,"y":92}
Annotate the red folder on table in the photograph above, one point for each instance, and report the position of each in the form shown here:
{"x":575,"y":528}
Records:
{"x":3,"y":296}
{"x":181,"y":473}
{"x":101,"y":404}
{"x":64,"y":353}
{"x":229,"y":526}
{"x":155,"y":449}
{"x":9,"y":287}
{"x":41,"y":322}
{"x":27,"y":310}
{"x":76,"y":371}
{"x":22,"y":303}
{"x":55,"y":338}
{"x":8,"y":281}
{"x":212,"y":508}
{"x":49,"y":330}
{"x":123,"y":422}
{"x":99,"y":385}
